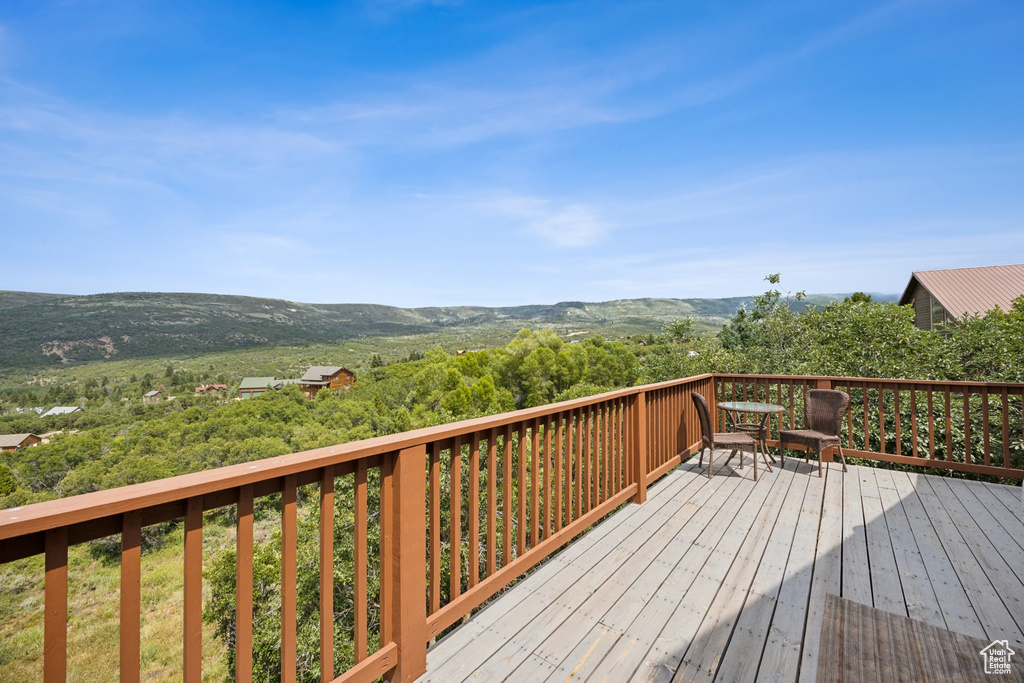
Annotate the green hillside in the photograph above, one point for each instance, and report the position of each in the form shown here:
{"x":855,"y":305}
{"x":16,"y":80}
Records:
{"x":40,"y":330}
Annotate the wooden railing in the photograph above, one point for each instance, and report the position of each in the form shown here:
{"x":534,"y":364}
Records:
{"x":974,"y":427}
{"x":446,"y":517}
{"x":463,"y":510}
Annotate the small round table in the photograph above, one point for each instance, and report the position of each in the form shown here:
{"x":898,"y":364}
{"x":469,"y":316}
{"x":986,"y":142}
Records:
{"x":759,"y":430}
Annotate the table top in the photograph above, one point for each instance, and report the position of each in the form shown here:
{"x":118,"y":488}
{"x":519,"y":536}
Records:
{"x":751,"y":407}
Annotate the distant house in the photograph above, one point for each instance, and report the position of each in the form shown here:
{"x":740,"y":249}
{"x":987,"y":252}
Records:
{"x":211,"y":387}
{"x":61,"y":410}
{"x":15,"y":442}
{"x":254,"y":386}
{"x":151,"y":396}
{"x":943,"y":296}
{"x":325,"y":377}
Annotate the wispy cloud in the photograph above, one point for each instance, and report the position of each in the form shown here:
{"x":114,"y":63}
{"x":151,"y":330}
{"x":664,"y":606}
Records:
{"x":561,"y":225}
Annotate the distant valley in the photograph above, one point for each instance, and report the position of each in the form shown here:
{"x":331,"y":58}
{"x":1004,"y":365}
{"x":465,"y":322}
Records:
{"x":40,"y":330}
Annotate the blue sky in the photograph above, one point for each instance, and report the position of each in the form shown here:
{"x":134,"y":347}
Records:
{"x":440,"y":153}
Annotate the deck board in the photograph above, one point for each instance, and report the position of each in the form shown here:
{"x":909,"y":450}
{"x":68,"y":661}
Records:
{"x":726,"y":578}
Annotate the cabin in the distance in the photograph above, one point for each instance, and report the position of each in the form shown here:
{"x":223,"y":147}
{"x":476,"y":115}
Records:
{"x":254,"y":386}
{"x":325,"y":377}
{"x":16,"y":442}
{"x":943,"y":296}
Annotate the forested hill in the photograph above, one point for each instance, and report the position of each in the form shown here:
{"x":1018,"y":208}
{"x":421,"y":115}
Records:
{"x":49,"y":329}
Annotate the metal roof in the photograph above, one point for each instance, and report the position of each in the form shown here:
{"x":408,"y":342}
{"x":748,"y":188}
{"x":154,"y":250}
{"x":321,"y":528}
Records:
{"x":13,"y":440}
{"x":318,"y":372}
{"x":255,"y":382}
{"x":970,"y":291}
{"x":61,"y":410}
{"x":150,"y":394}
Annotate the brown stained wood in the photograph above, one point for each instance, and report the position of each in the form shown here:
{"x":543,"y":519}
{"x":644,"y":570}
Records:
{"x":507,"y":513}
{"x":588,"y":460}
{"x":881,"y":418}
{"x":131,"y":596}
{"x":867,"y":424}
{"x":547,"y":460}
{"x":360,"y":558}
{"x":435,"y":527}
{"x":580,"y":481}
{"x":913,"y":419}
{"x":931,"y":424}
{"x":1005,"y":423}
{"x":455,"y":521}
{"x":473,"y":540}
{"x":193,"y":593}
{"x":985,"y":426}
{"x":613,"y":450}
{"x":567,"y":498}
{"x":492,"y":501}
{"x":409,"y":610}
{"x":521,"y":504}
{"x":387,"y":543}
{"x":949,"y":429}
{"x":326,"y":573}
{"x":639,"y":441}
{"x":55,"y":621}
{"x":534,"y":484}
{"x":967,"y":427}
{"x":372,"y":668}
{"x":896,"y":409}
{"x":243,"y":585}
{"x":606,"y":452}
{"x":559,"y":474}
{"x":289,"y":578}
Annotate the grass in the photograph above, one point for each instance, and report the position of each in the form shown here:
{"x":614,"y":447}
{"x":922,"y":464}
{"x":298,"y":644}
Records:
{"x":94,"y":611}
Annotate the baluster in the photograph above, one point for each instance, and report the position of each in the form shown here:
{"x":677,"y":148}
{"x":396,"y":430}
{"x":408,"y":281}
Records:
{"x":326,"y":572}
{"x":521,"y":502}
{"x":559,"y":465}
{"x":506,"y":497}
{"x":492,"y":501}
{"x":55,"y":622}
{"x":913,"y":418}
{"x":435,"y":526}
{"x":131,"y":595}
{"x":474,"y":510}
{"x":193,"y":591}
{"x":243,"y":585}
{"x":535,"y":484}
{"x":985,"y":425}
{"x":967,"y":425}
{"x":360,"y":557}
{"x":455,"y":521}
{"x":289,"y":572}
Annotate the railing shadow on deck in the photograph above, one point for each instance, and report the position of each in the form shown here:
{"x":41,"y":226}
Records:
{"x":529,"y":482}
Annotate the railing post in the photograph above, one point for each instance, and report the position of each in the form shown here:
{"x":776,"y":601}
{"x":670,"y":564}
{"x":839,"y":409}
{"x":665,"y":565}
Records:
{"x":408,"y":561}
{"x":640,"y":446}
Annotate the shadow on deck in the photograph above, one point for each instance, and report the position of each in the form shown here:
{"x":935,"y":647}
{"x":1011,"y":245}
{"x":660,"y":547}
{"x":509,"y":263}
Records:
{"x":726,"y":579}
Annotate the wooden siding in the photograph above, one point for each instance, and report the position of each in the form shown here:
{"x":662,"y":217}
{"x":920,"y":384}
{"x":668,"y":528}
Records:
{"x":922,"y":308}
{"x":726,"y":579}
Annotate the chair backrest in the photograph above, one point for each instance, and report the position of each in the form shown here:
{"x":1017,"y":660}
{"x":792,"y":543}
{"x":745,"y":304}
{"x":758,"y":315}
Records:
{"x":707,"y":436}
{"x":824,"y":410}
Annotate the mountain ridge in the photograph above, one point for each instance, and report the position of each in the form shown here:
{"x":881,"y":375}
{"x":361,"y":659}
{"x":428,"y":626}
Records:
{"x":48,"y":329}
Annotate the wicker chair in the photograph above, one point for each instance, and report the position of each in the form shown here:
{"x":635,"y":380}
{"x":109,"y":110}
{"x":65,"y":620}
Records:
{"x":824,"y":410}
{"x":734,"y":441}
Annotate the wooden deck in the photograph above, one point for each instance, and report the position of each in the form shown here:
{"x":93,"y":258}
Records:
{"x":725,"y":579}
